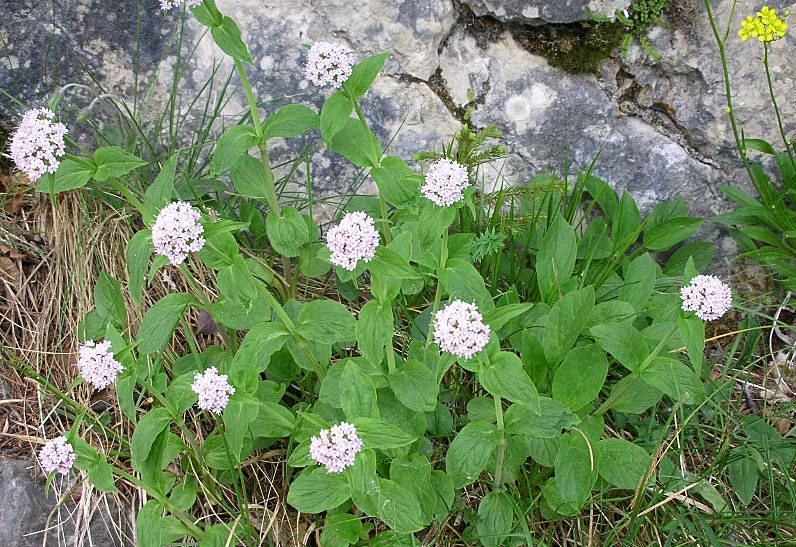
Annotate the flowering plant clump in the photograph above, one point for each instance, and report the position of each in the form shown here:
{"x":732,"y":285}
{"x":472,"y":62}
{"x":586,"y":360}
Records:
{"x":57,"y":455}
{"x":97,"y":364}
{"x":548,"y":312}
{"x":37,"y":145}
{"x":329,"y":64}
{"x":336,"y":448}
{"x":445,"y":182}
{"x":355,"y":238}
{"x":459,"y":329}
{"x":707,"y":296}
{"x":213,"y":390}
{"x":177,"y":232}
{"x":766,"y":26}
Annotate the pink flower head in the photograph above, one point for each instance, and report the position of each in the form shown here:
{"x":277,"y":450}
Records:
{"x":213,"y":390}
{"x":460,"y":330}
{"x":177,"y":232}
{"x":166,"y":5}
{"x":355,"y":238}
{"x":445,"y":182}
{"x":329,"y":64}
{"x":97,"y":364}
{"x":707,"y":296}
{"x":57,"y":455}
{"x":336,"y":448}
{"x":38,"y":143}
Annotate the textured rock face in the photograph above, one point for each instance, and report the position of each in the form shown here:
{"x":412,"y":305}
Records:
{"x":26,"y":512}
{"x":551,"y":11}
{"x":661,"y":125}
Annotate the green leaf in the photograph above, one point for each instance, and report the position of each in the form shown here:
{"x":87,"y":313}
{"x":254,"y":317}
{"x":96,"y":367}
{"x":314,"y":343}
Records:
{"x":760,"y":145}
{"x":554,"y":417}
{"x":666,"y":235}
{"x":139,"y":249}
{"x":398,"y":508}
{"x":413,"y":472}
{"x":236,"y":284}
{"x":227,"y":38}
{"x":692,"y":331}
{"x":576,"y":467}
{"x":433,"y":222}
{"x":341,"y":530}
{"x":100,"y":473}
{"x":152,"y":424}
{"x":626,"y":221}
{"x":273,"y":420}
{"x":364,"y":73}
{"x":639,"y":281}
{"x":566,"y":320}
{"x":159,"y":193}
{"x":335,"y":114}
{"x":316,"y":490}
{"x":357,"y":144}
{"x":632,"y":395}
{"x":112,"y":161}
{"x":389,"y":270}
{"x":250,"y":176}
{"x":397,"y":182}
{"x":497,"y":318}
{"x":291,"y":120}
{"x":363,"y":482}
{"x":624,"y":342}
{"x":241,"y":410}
{"x":109,"y":302}
{"x":675,"y":379}
{"x":233,"y":144}
{"x":374,"y":330}
{"x":207,"y":13}
{"x":446,"y":493}
{"x":743,"y":475}
{"x":555,"y":261}
{"x":160,"y":320}
{"x":327,"y":322}
{"x":254,"y":354}
{"x":180,"y":396}
{"x":622,"y":463}
{"x":580,"y":377}
{"x":287,"y":233}
{"x":505,"y":377}
{"x":148,"y":524}
{"x":415,"y":385}
{"x":469,"y":452}
{"x":460,"y":280}
{"x":495,"y":519}
{"x":73,"y":172}
{"x":357,"y":394}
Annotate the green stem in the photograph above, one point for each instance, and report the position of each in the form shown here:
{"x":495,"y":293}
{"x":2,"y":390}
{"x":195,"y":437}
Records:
{"x":501,"y":454}
{"x":137,"y":203}
{"x":270,"y":189}
{"x":443,"y":258}
{"x":390,"y":356}
{"x":774,"y":102}
{"x":728,"y":90}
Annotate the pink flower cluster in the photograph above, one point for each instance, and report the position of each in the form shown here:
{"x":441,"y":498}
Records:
{"x":38,"y":143}
{"x":445,"y":182}
{"x":707,"y":296}
{"x":97,"y":364}
{"x":57,"y":455}
{"x":329,"y":63}
{"x":459,"y":329}
{"x":177,"y":232}
{"x":169,"y":4}
{"x":336,"y":448}
{"x":355,"y":238}
{"x":213,"y":390}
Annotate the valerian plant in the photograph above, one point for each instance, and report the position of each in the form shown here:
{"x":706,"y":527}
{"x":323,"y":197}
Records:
{"x":542,"y":309}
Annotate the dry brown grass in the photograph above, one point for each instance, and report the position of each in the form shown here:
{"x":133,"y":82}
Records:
{"x":50,"y":257}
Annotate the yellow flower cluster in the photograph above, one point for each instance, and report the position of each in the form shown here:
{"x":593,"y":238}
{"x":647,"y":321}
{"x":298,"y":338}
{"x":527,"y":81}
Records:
{"x":767,"y":26}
